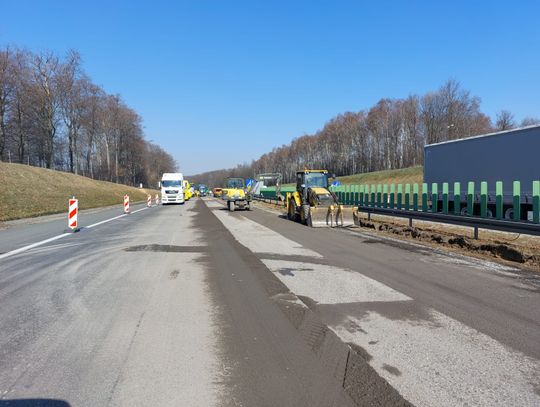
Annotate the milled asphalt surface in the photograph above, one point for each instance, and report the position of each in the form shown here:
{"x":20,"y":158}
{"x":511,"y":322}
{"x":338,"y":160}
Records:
{"x":442,"y":329}
{"x":161,"y":307}
{"x":503,"y":305}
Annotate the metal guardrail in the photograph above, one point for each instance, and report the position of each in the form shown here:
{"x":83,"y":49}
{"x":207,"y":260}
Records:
{"x":273,"y":200}
{"x":474,"y":222}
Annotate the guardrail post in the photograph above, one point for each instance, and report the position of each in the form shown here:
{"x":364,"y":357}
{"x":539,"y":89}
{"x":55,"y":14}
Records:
{"x":470,"y":198}
{"x":385,"y":196}
{"x":517,"y":200}
{"x":499,"y":199}
{"x":424,"y":197}
{"x":434,"y":198}
{"x":457,"y":198}
{"x":415,"y":197}
{"x":379,"y":195}
{"x":536,"y":201}
{"x":399,"y":195}
{"x":407,"y":196}
{"x":483,"y":199}
{"x":392,"y":196}
{"x":445,"y":198}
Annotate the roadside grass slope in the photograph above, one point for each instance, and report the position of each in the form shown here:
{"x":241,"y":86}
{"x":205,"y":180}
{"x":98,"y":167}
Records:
{"x":409,"y":175}
{"x":30,"y":191}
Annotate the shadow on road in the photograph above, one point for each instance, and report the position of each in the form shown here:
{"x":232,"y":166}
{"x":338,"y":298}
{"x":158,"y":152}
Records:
{"x":34,"y":403}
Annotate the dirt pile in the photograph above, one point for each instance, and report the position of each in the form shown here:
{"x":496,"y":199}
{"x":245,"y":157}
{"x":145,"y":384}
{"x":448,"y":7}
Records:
{"x":490,"y":248}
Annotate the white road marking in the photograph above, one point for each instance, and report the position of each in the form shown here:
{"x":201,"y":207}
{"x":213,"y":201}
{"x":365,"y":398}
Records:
{"x":31,"y":246}
{"x":52,"y":239}
{"x":259,"y":238}
{"x":331,"y":285}
{"x":105,"y":221}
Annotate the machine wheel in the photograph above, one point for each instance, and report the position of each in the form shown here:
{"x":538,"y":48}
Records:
{"x":292,"y":213}
{"x":231,"y":206}
{"x":228,"y":205}
{"x":305,"y":215}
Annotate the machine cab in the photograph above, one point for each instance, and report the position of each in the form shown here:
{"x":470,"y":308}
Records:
{"x":312,"y":179}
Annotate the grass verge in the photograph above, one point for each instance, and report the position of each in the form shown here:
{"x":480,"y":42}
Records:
{"x":409,"y":175}
{"x":30,"y":191}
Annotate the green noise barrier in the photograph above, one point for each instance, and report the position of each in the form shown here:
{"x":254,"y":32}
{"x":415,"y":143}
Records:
{"x":536,"y":201}
{"x":499,"y":200}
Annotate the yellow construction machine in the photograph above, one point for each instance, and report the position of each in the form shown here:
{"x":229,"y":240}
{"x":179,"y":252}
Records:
{"x":313,"y":204}
{"x":236,"y":195}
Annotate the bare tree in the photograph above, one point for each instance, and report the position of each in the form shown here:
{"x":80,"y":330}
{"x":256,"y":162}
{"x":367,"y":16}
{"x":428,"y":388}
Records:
{"x":7,"y":90}
{"x":46,"y":103}
{"x":529,"y":121}
{"x":505,"y":120}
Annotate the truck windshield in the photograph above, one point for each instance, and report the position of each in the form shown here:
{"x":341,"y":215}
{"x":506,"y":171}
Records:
{"x":235,"y":183}
{"x":316,"y":179}
{"x":171,"y":183}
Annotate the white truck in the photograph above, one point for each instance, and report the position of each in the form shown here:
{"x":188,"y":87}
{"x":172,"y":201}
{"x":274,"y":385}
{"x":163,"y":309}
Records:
{"x":172,"y":188}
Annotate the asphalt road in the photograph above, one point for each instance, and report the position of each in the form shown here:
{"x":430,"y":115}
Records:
{"x":192,"y":305}
{"x":156,"y":308}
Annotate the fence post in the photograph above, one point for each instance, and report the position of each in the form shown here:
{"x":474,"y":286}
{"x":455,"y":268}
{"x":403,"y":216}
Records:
{"x":445,"y":198}
{"x":373,"y":189}
{"x":415,"y":197}
{"x":392,"y":196}
{"x":470,"y":198}
{"x":434,"y":198}
{"x":407,"y":196}
{"x":457,"y":198}
{"x":385,"y":196}
{"x":517,"y":200}
{"x":499,"y":199}
{"x":399,"y":195}
{"x":379,"y":195}
{"x":536,"y":201}
{"x":483,"y":199}
{"x":424,"y":197}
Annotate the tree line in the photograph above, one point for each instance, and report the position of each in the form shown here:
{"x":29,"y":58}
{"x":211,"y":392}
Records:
{"x":389,"y":135}
{"x":52,"y":115}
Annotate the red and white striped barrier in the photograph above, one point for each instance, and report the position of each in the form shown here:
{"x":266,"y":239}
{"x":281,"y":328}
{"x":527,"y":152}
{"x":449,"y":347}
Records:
{"x":126,"y":203}
{"x":72,"y":213}
{"x":157,"y":199}
{"x":149,"y":201}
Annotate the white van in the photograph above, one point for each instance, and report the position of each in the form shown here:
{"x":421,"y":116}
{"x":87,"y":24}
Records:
{"x":172,"y":188}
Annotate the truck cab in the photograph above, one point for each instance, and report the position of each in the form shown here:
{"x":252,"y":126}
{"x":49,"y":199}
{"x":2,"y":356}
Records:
{"x":172,"y":188}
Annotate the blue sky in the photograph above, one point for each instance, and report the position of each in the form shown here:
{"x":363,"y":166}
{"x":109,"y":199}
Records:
{"x":221,"y":82}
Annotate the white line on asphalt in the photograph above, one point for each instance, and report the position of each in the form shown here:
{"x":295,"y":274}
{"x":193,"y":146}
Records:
{"x":52,"y":239}
{"x":31,"y":246}
{"x":105,"y":221}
